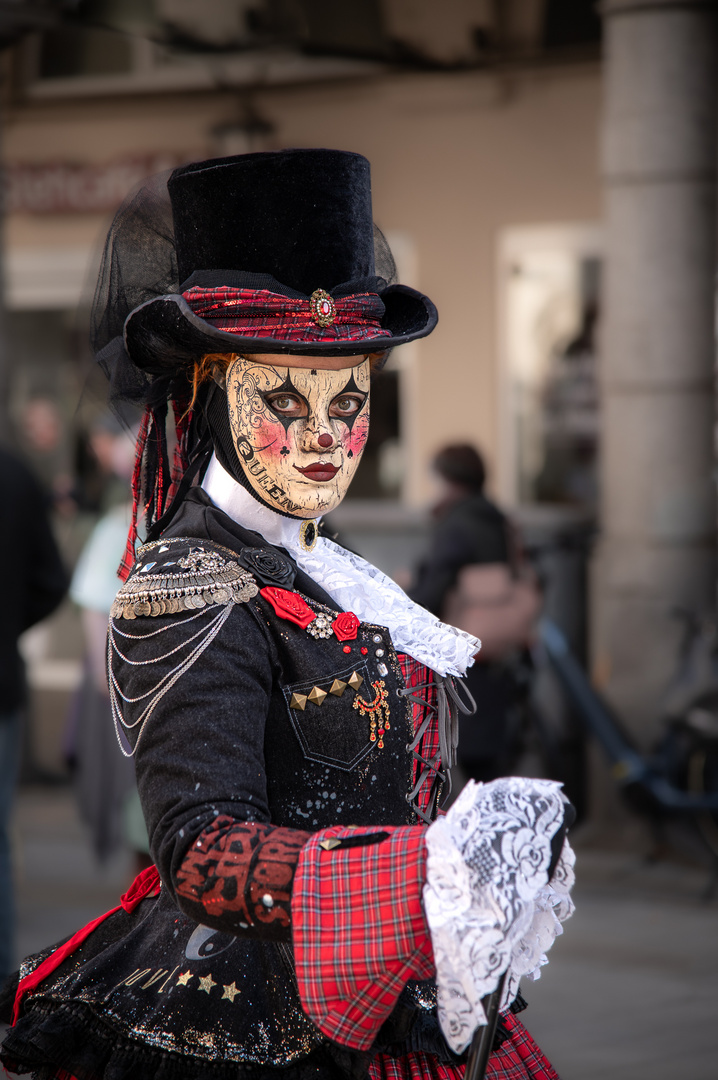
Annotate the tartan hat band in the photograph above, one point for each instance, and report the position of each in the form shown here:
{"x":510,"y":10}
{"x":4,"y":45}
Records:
{"x":261,"y":313}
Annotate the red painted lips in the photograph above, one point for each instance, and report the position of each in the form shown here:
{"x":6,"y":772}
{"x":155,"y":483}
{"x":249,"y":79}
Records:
{"x":320,"y":472}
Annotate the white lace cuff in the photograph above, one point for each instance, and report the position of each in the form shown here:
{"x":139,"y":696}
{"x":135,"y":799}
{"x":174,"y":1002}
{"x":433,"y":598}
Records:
{"x":487,"y":898}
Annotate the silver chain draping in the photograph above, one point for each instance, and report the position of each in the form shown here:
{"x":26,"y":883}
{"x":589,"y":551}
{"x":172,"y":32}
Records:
{"x":162,"y":629}
{"x":165,"y":683}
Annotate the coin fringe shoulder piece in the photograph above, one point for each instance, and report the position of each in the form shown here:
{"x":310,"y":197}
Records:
{"x":202,"y":577}
{"x":185,"y":576}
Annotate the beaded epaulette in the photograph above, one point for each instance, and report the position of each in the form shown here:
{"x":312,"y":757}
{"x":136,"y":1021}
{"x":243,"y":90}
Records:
{"x":162,"y":583}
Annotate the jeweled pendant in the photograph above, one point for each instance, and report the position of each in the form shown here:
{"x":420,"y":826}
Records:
{"x":308,"y":535}
{"x":322,"y":307}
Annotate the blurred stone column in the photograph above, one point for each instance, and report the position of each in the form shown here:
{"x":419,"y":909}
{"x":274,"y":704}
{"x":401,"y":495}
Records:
{"x":658,"y":515}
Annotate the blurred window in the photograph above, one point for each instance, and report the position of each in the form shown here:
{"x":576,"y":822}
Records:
{"x":550,"y":320}
{"x":571,"y":24}
{"x":82,"y":50}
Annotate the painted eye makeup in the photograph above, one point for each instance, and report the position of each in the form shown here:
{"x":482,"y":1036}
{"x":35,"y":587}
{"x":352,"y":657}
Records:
{"x":346,"y":405}
{"x":287,"y":406}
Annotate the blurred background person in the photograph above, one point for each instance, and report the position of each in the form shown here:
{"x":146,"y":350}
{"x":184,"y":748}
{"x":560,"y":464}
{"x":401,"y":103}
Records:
{"x":473,"y":577}
{"x":43,"y":440}
{"x":35,"y":583}
{"x":104,"y":777}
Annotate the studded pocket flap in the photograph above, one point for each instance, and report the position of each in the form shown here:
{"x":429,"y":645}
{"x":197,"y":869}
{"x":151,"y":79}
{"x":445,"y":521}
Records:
{"x":329,"y":729}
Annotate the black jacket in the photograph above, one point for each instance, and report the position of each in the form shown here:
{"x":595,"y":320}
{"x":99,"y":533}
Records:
{"x":207,"y":700}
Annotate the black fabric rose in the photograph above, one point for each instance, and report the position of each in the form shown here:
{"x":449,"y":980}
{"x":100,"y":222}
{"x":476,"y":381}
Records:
{"x":268,"y":566}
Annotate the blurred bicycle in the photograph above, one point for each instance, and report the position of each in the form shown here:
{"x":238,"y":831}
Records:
{"x":678,"y":781}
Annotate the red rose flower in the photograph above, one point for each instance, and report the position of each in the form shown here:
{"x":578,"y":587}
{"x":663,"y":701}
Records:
{"x":345,"y":626}
{"x":289,"y":605}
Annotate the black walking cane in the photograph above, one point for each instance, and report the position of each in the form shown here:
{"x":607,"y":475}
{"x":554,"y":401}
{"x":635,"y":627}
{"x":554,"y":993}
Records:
{"x":483,"y":1038}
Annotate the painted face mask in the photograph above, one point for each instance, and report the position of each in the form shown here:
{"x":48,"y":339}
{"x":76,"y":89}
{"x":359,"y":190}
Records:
{"x":299,"y":432}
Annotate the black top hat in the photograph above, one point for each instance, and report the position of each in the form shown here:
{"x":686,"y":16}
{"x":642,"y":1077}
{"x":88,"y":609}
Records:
{"x":275,"y":252}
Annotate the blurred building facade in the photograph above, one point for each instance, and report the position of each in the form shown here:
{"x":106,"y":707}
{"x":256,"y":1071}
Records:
{"x":466,"y":154}
{"x":483,"y":122}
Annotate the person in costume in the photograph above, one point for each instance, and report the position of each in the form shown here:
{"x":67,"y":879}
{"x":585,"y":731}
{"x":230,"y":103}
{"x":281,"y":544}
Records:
{"x":291,"y":713}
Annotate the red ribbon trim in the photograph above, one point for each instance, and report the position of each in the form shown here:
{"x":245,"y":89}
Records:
{"x":145,"y":884}
{"x":289,"y":605}
{"x":346,"y":626}
{"x":262,"y":313}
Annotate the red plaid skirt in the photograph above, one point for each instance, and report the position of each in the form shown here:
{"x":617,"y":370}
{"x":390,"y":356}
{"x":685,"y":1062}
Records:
{"x":518,"y":1058}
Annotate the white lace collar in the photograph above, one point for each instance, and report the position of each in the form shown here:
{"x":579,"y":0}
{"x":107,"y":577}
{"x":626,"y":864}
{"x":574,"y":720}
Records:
{"x":354,"y":584}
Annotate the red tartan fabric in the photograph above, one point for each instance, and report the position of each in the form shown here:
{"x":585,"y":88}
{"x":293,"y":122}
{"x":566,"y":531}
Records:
{"x":359,"y":929}
{"x":418,"y":675}
{"x":165,"y":488}
{"x":261,"y":313}
{"x":128,"y":558}
{"x":518,"y":1058}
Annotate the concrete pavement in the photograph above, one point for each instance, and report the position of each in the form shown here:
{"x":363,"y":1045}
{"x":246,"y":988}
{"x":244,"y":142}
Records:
{"x":631,"y":991}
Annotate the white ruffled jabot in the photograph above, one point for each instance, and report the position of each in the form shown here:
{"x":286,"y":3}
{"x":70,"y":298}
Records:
{"x":353,"y":583}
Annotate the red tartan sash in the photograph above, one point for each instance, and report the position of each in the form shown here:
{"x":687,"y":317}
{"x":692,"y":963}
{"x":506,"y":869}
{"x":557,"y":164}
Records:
{"x":262,"y":313}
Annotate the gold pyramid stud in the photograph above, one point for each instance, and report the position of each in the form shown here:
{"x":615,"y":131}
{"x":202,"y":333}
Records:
{"x":355,"y":680}
{"x":337,"y":688}
{"x":298,"y":701}
{"x":316,"y":695}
